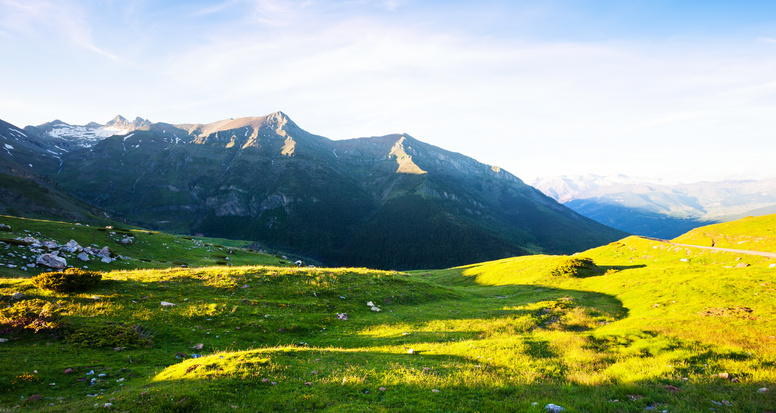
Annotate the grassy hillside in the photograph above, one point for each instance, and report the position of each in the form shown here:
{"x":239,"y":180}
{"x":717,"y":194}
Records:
{"x":644,"y":326}
{"x":751,"y":233}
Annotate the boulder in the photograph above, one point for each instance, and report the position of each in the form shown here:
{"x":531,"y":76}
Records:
{"x":72,"y":246}
{"x":106,"y":260}
{"x":52,"y":261}
{"x":126,"y":241}
{"x":50,"y":245}
{"x":554,"y":408}
{"x":104,"y":252}
{"x":83,"y":256}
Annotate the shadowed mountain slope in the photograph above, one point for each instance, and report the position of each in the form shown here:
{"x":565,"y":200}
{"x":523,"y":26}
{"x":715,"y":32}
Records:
{"x":385,"y":202}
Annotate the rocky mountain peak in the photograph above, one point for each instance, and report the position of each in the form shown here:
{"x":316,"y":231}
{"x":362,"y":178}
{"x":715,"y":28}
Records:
{"x":120,"y":122}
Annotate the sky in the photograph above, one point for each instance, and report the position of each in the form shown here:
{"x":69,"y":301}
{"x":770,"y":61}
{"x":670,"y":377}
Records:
{"x":682,"y":90}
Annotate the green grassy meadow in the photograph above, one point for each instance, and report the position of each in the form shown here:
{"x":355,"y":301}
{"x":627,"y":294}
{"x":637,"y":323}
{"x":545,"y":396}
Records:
{"x":750,"y":233}
{"x":651,"y":327}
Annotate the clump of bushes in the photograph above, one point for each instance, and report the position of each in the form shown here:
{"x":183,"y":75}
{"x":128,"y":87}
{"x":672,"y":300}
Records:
{"x":67,"y":281}
{"x":110,"y":335}
{"x":35,"y":314}
{"x":575,"y":267}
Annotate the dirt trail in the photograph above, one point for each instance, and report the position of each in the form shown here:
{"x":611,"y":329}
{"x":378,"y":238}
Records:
{"x":748,"y":252}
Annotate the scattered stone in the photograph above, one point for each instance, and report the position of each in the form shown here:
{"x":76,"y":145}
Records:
{"x":107,"y":260}
{"x":118,"y":348}
{"x":72,"y":246}
{"x":166,"y":304}
{"x":411,"y":351}
{"x":554,"y":408}
{"x":381,"y":389}
{"x":198,"y":346}
{"x":375,"y":309}
{"x":50,"y":245}
{"x":342,"y":316}
{"x":83,"y":256}
{"x":196,"y":356}
{"x":370,"y":304}
{"x":52,"y":261}
{"x":435,"y":390}
{"x":4,"y":227}
{"x":308,"y":383}
{"x":67,"y":371}
{"x":31,"y":240}
{"x":108,"y":405}
{"x":126,"y":241}
{"x":742,"y":265}
{"x":17,"y":296}
{"x":3,"y":340}
{"x":245,"y":286}
{"x":723,"y":375}
{"x":104,"y":252}
{"x":762,"y":390}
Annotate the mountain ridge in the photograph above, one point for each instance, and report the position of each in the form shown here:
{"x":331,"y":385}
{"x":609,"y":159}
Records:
{"x":387,"y":202}
{"x":657,"y":207}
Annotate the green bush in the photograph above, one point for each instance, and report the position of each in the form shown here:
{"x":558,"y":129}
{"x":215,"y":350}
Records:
{"x":35,"y":314}
{"x":575,"y":267}
{"x":110,"y":335}
{"x":67,"y":281}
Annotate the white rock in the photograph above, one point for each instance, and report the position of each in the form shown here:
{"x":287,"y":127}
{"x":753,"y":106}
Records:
{"x":50,"y":244}
{"x":762,"y":390}
{"x":772,"y":266}
{"x":104,"y":252}
{"x":554,"y":408}
{"x":83,"y":256}
{"x":370,"y":304}
{"x":52,"y":261}
{"x":126,"y":241}
{"x":107,"y":260}
{"x":166,"y":304}
{"x":375,"y":309}
{"x":3,"y":340}
{"x":72,"y":246}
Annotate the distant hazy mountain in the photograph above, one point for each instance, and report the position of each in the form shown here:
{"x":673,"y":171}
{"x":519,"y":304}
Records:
{"x":657,"y":207}
{"x":386,"y":202}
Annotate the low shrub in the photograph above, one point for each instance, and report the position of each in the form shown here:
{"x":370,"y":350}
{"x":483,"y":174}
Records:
{"x":575,"y":267}
{"x":35,"y":314}
{"x":110,"y":335}
{"x":67,"y":281}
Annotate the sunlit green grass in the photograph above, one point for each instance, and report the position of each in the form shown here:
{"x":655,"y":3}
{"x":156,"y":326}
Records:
{"x":751,"y":233}
{"x":652,"y":327}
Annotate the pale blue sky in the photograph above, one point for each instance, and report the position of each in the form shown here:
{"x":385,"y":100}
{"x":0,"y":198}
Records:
{"x":677,"y":89}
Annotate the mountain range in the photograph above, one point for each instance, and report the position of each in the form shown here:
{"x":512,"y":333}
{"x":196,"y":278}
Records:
{"x":385,"y":202}
{"x":658,"y":207}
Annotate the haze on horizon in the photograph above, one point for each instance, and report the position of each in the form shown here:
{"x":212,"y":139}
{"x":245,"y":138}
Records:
{"x":680,"y":91}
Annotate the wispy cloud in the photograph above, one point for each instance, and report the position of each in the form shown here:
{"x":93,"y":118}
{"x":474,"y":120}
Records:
{"x":767,"y":39}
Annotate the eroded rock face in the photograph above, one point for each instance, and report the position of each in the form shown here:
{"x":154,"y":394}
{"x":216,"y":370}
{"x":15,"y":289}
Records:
{"x":52,"y":261}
